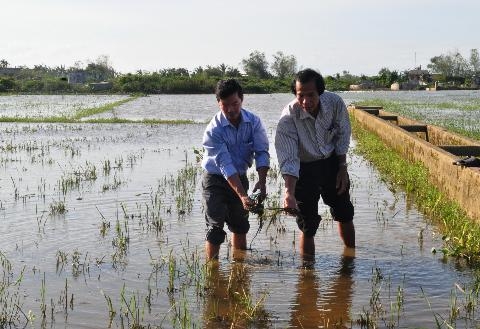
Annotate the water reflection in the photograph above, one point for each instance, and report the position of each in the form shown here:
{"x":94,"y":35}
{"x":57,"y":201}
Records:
{"x":229,"y":302}
{"x":329,"y":309}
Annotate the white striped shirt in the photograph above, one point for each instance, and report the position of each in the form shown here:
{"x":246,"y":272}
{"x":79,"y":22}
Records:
{"x":302,"y":138}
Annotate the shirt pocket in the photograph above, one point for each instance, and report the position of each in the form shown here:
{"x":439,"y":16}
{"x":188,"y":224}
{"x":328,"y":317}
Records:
{"x":246,"y":151}
{"x":326,"y":132}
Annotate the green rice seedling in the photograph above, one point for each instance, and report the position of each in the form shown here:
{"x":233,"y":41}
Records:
{"x":112,"y":186}
{"x":78,"y":266}
{"x":122,"y":238}
{"x":198,"y":154}
{"x":104,"y":227}
{"x":470,"y":302}
{"x":118,"y":163}
{"x":57,"y":208}
{"x":43,"y":306}
{"x":111,"y":309}
{"x":105,"y":224}
{"x":172,"y":269}
{"x":64,"y":300}
{"x":11,"y":297}
{"x":194,"y":274}
{"x":181,"y":317}
{"x":377,"y":283}
{"x":68,"y":182}
{"x":366,"y":320}
{"x":88,"y":173}
{"x":131,"y":309}
{"x":61,"y":260}
{"x":454,"y":308}
{"x":183,"y":187}
{"x":439,"y":321}
{"x":6,"y":265}
{"x":254,"y":311}
{"x":16,"y":194}
{"x":106,"y":167}
{"x":40,"y":223}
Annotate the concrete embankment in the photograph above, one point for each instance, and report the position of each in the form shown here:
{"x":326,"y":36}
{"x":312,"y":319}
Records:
{"x":435,"y":147}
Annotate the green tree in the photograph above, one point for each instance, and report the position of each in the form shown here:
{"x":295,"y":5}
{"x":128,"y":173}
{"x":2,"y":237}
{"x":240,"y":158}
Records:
{"x":449,"y":65}
{"x":219,"y":71}
{"x":385,"y":77}
{"x":232,"y":72}
{"x":3,"y":63}
{"x":256,"y":65}
{"x":7,"y":84}
{"x":174,"y":72}
{"x":474,"y":61}
{"x":284,"y":66}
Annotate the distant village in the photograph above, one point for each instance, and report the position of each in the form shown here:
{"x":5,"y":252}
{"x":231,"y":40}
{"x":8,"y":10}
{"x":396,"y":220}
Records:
{"x":419,"y":79}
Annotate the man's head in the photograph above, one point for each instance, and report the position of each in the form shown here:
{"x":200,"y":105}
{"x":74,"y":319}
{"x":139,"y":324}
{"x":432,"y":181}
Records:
{"x":227,"y":88}
{"x":308,"y":75}
{"x":307,"y":87}
{"x":229,"y":95}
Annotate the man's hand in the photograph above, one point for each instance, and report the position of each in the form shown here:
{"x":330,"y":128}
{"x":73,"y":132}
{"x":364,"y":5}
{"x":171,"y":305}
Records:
{"x":290,"y":204}
{"x":260,"y":187}
{"x":247,"y":202}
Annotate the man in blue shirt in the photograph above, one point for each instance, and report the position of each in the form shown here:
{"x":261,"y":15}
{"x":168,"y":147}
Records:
{"x":232,"y":140}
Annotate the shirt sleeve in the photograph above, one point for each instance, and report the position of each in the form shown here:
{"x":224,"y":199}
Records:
{"x":216,"y":149}
{"x":342,"y":142}
{"x":260,"y":145}
{"x":286,"y":146}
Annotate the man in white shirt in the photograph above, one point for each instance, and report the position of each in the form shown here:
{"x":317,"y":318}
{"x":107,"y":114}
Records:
{"x":311,"y":141}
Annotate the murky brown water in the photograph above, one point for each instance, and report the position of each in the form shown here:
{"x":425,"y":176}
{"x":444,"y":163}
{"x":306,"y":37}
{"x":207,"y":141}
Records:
{"x":137,"y":219}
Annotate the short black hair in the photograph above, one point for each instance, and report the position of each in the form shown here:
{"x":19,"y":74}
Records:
{"x":228,"y":87}
{"x":308,"y":75}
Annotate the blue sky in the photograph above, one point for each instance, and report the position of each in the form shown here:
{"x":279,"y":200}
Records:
{"x":360,"y":36}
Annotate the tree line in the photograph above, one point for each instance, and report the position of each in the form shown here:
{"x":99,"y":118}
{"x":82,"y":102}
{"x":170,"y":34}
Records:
{"x":259,"y":76}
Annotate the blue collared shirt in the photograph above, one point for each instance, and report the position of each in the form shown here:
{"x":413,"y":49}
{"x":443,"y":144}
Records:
{"x":230,"y":150}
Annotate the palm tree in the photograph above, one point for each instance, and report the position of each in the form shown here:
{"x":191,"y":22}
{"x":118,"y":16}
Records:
{"x":3,"y":63}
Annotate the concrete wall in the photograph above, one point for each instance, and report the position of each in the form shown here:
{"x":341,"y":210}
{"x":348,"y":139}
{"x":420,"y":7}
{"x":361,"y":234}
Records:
{"x":461,"y":184}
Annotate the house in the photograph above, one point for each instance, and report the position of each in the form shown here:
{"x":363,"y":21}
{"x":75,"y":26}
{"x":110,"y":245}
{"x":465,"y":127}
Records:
{"x":76,"y":77}
{"x":419,"y":77}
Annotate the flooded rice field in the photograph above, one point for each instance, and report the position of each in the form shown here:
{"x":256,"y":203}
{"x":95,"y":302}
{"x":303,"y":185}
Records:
{"x":102,"y":226}
{"x":34,"y":106}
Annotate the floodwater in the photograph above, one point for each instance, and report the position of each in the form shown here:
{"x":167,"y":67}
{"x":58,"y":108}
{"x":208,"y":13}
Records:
{"x":102,"y":225}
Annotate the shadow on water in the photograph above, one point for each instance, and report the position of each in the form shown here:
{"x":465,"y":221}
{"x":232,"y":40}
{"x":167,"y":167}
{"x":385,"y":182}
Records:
{"x":315,"y":307}
{"x":229,"y":302}
{"x":314,"y":302}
